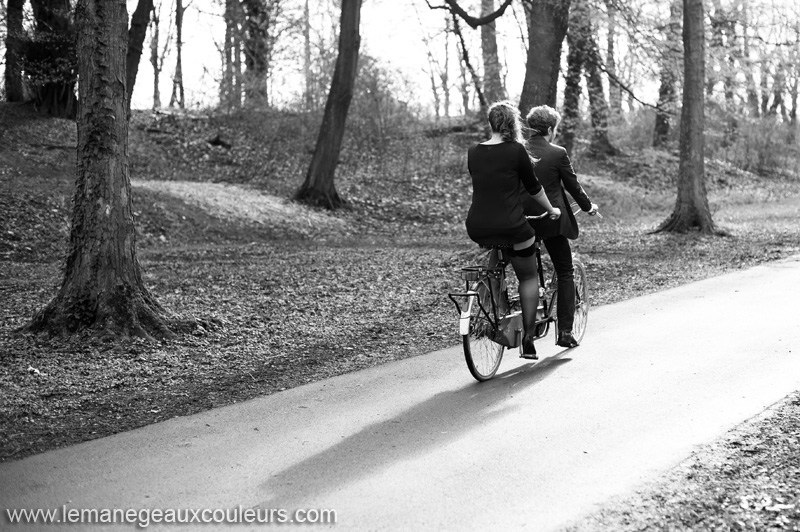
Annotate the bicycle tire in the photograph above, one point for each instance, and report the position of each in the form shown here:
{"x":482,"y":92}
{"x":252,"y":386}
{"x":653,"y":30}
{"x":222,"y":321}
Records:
{"x":482,"y":354}
{"x":550,"y":307}
{"x":581,"y":300}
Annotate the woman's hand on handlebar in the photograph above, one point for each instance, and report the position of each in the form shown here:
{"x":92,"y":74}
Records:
{"x":555,"y":214}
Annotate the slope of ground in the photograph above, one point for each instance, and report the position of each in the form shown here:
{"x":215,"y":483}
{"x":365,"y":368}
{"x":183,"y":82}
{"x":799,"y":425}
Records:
{"x":281,"y":294}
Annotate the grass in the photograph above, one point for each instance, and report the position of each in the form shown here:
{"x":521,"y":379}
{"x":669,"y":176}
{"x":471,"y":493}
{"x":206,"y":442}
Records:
{"x":278,"y":295}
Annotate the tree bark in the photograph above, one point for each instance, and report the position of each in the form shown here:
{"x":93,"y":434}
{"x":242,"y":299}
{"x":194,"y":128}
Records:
{"x":139,"y":21}
{"x":102,"y":288}
{"x":493,"y":88}
{"x":667,"y":92}
{"x":691,"y":207}
{"x":318,"y":188}
{"x":13,"y":71}
{"x":547,"y":27}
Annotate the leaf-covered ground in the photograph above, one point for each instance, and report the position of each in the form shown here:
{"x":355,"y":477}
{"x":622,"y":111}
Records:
{"x":746,"y":481}
{"x":277,"y":295}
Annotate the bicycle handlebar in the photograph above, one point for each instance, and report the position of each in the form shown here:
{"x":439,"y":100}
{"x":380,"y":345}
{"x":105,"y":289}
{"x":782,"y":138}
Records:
{"x":539,"y":217}
{"x":572,"y":206}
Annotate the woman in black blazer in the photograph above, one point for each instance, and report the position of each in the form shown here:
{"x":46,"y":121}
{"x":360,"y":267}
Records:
{"x":554,"y":172}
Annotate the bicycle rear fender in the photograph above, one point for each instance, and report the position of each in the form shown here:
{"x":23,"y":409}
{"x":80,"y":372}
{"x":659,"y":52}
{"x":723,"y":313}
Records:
{"x":464,"y":313}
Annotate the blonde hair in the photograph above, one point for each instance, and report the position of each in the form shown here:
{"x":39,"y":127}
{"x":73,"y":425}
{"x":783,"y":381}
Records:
{"x":504,"y":118}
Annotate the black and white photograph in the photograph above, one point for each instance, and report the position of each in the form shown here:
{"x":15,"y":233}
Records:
{"x":400,"y":265}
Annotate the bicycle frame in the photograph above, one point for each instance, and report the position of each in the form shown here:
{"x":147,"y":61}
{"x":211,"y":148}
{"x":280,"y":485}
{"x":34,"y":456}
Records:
{"x":479,"y":274}
{"x":507,"y":326}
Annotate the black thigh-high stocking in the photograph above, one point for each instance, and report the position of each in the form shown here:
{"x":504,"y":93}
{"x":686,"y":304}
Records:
{"x":525,"y":269}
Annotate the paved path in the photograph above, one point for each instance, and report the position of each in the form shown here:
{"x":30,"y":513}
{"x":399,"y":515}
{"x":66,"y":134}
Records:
{"x":418,"y":445}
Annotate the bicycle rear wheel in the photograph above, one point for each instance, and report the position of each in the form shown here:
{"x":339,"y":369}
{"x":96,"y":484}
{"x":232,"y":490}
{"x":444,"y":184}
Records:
{"x":581,"y":301}
{"x":482,"y":354}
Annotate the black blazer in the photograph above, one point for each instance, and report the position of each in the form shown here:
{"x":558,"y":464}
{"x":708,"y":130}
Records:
{"x":554,"y":171}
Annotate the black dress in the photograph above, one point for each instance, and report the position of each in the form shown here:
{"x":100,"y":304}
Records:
{"x":500,"y":172}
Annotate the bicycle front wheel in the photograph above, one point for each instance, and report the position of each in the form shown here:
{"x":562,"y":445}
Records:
{"x":581,"y":301}
{"x":483,"y":355}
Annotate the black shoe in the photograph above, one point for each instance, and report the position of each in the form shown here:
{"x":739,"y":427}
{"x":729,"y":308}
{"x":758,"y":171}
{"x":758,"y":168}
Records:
{"x":528,"y":349}
{"x":565,"y":339}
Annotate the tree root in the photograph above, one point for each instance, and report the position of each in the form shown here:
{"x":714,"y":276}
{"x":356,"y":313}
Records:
{"x":119,"y":317}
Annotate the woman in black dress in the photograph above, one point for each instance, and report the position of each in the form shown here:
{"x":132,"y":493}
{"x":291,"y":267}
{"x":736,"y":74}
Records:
{"x":501,"y":169}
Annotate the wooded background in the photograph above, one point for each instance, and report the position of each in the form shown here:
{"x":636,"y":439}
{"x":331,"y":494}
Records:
{"x":281,"y":53}
{"x":713,"y":78}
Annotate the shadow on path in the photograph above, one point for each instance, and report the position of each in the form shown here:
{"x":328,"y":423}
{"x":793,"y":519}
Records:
{"x":428,"y":425}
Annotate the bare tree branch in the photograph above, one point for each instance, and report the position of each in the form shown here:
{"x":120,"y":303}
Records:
{"x":596,"y":60}
{"x":472,"y":22}
{"x":476,"y":80}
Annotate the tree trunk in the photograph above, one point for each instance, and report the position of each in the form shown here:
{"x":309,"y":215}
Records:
{"x":256,"y":51}
{"x":764,"y":87}
{"x":464,"y":87}
{"x":226,"y":80}
{"x":778,"y":87}
{"x":476,"y":80}
{"x":752,"y":92}
{"x":56,"y":58}
{"x":318,"y":188}
{"x":309,"y":79}
{"x":614,"y":90}
{"x":794,"y":88}
{"x":716,"y":46}
{"x":437,"y":101}
{"x":581,"y":37}
{"x":237,"y":56}
{"x":666,"y":107}
{"x":601,"y":144}
{"x":691,"y":207}
{"x":667,"y":92}
{"x":102,"y":288}
{"x":178,"y":95}
{"x":547,"y":27}
{"x":136,"y":34}
{"x":444,"y":75}
{"x":791,"y":138}
{"x":572,"y":95}
{"x":493,"y":88}
{"x":155,"y":61}
{"x":13,"y":71}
